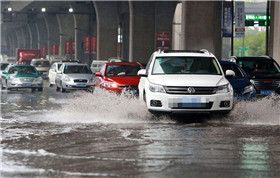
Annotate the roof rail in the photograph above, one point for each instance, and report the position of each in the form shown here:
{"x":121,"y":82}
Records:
{"x":183,"y":51}
{"x":205,"y":51}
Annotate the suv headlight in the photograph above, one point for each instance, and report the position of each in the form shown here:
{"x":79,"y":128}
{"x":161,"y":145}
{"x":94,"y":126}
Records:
{"x":110,"y":85}
{"x":156,"y":88}
{"x":223,"y":89}
{"x":248,"y":89}
{"x":39,"y":79}
{"x":67,"y":79}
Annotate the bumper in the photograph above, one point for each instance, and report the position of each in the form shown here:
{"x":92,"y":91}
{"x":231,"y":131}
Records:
{"x":162,"y":102}
{"x":133,"y":91}
{"x":24,"y":85}
{"x":77,"y":86}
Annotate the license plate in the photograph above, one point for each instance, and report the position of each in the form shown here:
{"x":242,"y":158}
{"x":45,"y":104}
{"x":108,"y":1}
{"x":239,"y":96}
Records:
{"x":267,"y":92}
{"x":131,"y":91}
{"x":81,"y":84}
{"x":27,"y":84}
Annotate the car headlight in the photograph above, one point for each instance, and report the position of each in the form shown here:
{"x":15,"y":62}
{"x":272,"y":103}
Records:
{"x":156,"y":88}
{"x":14,"y":79}
{"x":248,"y":89}
{"x":39,"y":79}
{"x":223,"y":88}
{"x":110,"y":85}
{"x":91,"y":79}
{"x":67,"y":79}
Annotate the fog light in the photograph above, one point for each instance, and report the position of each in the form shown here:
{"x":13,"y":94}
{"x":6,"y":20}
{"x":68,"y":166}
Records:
{"x":225,"y":104}
{"x":155,"y":103}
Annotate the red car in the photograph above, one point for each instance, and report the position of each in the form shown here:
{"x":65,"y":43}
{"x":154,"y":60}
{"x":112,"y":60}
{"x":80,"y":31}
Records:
{"x":119,"y":76}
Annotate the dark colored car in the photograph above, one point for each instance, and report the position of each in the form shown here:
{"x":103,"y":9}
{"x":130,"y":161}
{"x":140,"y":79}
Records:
{"x":119,"y":77}
{"x":264,"y":73}
{"x":242,"y":87}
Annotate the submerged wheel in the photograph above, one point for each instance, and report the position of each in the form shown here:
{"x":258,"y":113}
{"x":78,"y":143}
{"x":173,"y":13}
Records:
{"x":40,"y":89}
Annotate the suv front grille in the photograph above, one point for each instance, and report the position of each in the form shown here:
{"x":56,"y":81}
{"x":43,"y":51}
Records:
{"x":179,"y":90}
{"x":268,"y":84}
{"x":80,"y":81}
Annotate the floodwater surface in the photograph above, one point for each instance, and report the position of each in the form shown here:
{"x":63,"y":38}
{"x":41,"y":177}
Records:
{"x":82,"y":134}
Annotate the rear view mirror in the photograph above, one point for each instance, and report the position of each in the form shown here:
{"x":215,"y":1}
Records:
{"x":230,"y":73}
{"x":142,"y":73}
{"x":98,"y":74}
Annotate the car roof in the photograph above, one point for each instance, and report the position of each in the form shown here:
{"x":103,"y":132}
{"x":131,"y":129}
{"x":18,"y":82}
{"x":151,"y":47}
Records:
{"x":227,"y":62}
{"x":123,"y":63}
{"x":21,"y":65}
{"x":184,"y":53}
{"x":40,"y":59}
{"x":74,"y":64}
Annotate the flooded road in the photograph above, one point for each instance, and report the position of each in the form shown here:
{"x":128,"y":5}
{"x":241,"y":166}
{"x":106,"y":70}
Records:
{"x":78,"y":134}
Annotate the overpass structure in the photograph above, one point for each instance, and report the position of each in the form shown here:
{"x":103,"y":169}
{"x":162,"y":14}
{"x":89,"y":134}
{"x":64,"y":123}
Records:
{"x":131,"y":29}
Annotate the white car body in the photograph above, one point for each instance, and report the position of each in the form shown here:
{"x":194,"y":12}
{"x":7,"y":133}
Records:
{"x":52,"y":72}
{"x":177,"y":93}
{"x":96,"y":65}
{"x":40,"y":68}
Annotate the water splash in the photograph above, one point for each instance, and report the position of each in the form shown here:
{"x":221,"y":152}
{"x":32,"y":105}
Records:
{"x":263,"y":111}
{"x":103,"y":107}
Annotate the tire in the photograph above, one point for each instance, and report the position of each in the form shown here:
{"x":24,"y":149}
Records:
{"x":2,"y":86}
{"x":57,"y":88}
{"x":33,"y":89}
{"x":50,"y":85}
{"x":144,"y":96}
{"x":62,"y":89}
{"x":40,"y":89}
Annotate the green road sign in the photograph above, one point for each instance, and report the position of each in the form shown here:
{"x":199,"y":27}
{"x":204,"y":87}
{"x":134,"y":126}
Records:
{"x":239,"y":51}
{"x":246,"y":51}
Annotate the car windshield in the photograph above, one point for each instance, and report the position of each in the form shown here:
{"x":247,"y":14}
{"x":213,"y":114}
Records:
{"x":76,"y":69}
{"x":186,"y":65}
{"x":98,"y":64}
{"x":252,"y":66}
{"x":41,"y":63}
{"x":22,"y":70}
{"x":235,"y":68}
{"x":122,"y":70}
{"x":3,"y":66}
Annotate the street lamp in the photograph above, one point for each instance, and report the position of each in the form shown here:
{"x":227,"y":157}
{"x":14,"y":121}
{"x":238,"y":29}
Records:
{"x":70,"y":9}
{"x":43,"y":9}
{"x":10,"y":9}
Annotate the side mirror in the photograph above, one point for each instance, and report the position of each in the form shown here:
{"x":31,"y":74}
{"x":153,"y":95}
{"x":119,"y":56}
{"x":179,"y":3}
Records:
{"x":142,"y":73}
{"x":230,"y":73}
{"x":4,"y":72}
{"x":98,"y":74}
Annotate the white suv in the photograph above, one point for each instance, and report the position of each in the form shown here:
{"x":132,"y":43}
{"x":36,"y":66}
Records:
{"x":185,"y":81}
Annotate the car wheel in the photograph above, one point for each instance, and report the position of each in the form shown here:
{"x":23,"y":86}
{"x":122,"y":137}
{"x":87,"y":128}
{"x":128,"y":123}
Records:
{"x":2,"y":86}
{"x":40,"y":89}
{"x":50,"y":85}
{"x":62,"y":89}
{"x":33,"y":89}
{"x":91,"y":89}
{"x":57,"y":88}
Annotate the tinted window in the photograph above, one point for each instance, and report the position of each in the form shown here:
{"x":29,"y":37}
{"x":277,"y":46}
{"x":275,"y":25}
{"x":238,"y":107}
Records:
{"x":238,"y":73}
{"x":122,"y":70}
{"x":186,"y":65}
{"x":22,"y":70}
{"x":72,"y":69}
{"x":259,"y":66}
{"x":3,"y":66}
{"x":41,"y":63}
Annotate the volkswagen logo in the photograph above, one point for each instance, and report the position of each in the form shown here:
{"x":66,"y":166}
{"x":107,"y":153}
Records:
{"x":191,"y":90}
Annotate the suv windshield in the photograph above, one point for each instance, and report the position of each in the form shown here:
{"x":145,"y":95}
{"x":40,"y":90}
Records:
{"x":252,"y":66}
{"x":41,"y":63}
{"x":22,"y":70}
{"x":122,"y":70}
{"x":186,"y":65}
{"x":73,"y":69}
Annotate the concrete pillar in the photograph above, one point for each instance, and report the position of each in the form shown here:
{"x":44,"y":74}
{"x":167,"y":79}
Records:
{"x":107,"y":25}
{"x":141,"y":31}
{"x":125,"y":39}
{"x":66,"y":30}
{"x":164,"y":17}
{"x":20,"y":38}
{"x":274,"y":45}
{"x":34,"y":35}
{"x":26,"y":37}
{"x":83,"y":27}
{"x":15,"y":42}
{"x":52,"y":30}
{"x":201,"y":26}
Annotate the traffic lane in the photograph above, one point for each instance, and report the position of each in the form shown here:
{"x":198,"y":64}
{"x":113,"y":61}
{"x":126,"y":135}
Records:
{"x":34,"y":146}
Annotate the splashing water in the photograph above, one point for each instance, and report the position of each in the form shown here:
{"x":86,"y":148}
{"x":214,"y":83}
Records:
{"x":104,"y":107}
{"x":264,"y":111}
